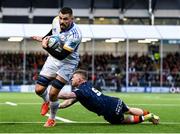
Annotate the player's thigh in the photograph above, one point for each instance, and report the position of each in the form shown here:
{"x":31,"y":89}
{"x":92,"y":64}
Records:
{"x":66,"y":71}
{"x":114,"y":118}
{"x":50,"y":67}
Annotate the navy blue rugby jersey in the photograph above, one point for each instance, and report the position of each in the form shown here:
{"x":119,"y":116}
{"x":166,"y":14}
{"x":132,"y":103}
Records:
{"x":94,"y":100}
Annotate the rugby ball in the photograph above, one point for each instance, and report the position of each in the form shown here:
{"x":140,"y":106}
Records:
{"x":54,"y":42}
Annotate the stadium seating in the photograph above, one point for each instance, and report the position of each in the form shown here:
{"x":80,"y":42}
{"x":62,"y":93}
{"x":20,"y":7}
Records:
{"x":109,"y":71}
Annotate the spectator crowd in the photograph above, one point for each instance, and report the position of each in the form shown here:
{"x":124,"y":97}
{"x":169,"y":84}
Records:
{"x":20,"y":68}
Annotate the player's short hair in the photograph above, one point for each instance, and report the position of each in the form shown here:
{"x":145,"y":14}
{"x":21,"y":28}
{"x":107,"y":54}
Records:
{"x":83,"y":73}
{"x":66,"y":10}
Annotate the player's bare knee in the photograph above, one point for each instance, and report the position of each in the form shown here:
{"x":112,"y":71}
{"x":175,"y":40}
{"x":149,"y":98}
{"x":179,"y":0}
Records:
{"x":53,"y":96}
{"x":39,"y":89}
{"x":57,"y":85}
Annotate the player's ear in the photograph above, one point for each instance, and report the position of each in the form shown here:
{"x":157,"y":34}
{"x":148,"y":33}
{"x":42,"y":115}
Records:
{"x":72,"y":18}
{"x":79,"y":79}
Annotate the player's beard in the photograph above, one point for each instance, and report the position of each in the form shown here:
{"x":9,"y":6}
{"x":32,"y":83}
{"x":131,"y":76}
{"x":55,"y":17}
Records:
{"x":63,"y":26}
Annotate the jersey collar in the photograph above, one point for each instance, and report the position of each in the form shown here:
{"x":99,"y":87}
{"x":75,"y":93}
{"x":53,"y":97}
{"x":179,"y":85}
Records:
{"x":72,"y":24}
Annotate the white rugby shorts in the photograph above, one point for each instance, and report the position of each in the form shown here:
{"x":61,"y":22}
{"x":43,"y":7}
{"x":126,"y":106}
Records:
{"x":54,"y":67}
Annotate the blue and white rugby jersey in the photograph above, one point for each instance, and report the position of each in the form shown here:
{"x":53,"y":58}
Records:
{"x":70,"y":39}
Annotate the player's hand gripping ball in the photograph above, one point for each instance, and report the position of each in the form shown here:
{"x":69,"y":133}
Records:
{"x":54,"y":42}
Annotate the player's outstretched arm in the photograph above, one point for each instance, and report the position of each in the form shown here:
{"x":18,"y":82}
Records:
{"x":64,"y":95}
{"x":67,"y":103}
{"x":37,"y":38}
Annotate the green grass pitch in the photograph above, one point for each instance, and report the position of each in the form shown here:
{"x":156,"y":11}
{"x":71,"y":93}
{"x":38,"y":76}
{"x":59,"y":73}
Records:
{"x":24,"y":116}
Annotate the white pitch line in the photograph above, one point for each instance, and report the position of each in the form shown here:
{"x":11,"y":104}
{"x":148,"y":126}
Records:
{"x":161,"y":123}
{"x":10,"y":103}
{"x":162,"y":105}
{"x":99,"y":133}
{"x":165,"y":105}
{"x":61,"y":119}
{"x":26,"y":103}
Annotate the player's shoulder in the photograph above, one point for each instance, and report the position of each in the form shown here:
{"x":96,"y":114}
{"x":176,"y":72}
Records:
{"x":55,"y":20}
{"x":76,"y":27}
{"x":85,"y":85}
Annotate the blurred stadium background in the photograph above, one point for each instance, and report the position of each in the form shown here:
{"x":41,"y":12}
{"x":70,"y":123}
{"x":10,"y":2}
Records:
{"x":128,"y":45}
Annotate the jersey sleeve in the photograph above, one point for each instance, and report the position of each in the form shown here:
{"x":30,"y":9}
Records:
{"x":77,"y":92}
{"x":72,"y":42}
{"x":55,"y":25}
{"x":81,"y":93}
{"x":55,"y":20}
